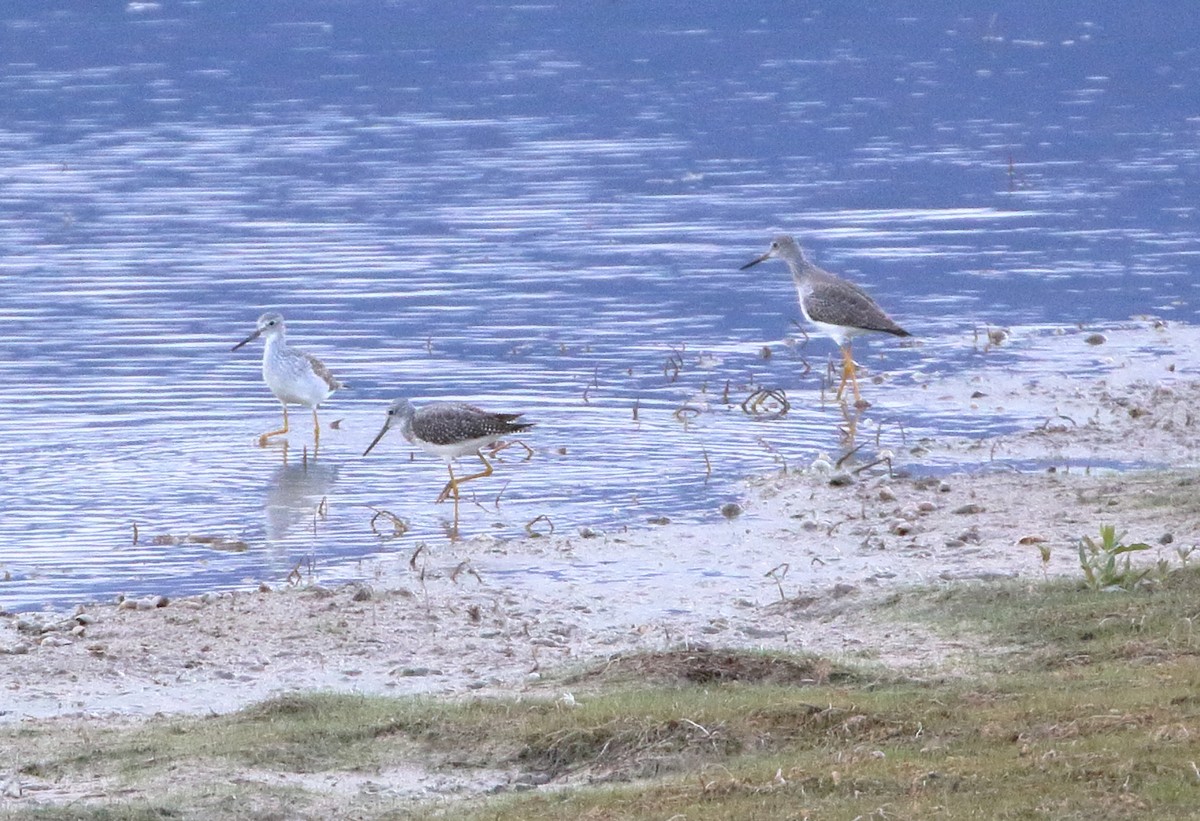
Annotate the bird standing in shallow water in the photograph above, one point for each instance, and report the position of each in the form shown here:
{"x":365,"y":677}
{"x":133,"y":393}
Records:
{"x":450,"y":430}
{"x":839,"y":308}
{"x":296,"y":378}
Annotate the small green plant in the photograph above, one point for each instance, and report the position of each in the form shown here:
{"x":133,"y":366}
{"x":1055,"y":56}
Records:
{"x":1099,"y":560}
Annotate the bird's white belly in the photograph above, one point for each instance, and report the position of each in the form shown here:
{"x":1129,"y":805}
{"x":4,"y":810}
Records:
{"x":296,"y":388}
{"x":457,"y":449}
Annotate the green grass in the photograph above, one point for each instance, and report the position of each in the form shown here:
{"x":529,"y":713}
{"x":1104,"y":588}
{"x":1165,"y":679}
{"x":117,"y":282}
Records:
{"x":1089,"y":712}
{"x":1059,"y":624}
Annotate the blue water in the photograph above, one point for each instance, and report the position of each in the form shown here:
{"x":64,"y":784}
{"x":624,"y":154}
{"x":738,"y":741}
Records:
{"x":538,"y":208}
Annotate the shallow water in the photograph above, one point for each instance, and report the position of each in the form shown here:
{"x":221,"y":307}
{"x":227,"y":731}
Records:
{"x":537,"y":208}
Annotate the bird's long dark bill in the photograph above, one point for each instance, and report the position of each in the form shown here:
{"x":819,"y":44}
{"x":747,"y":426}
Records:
{"x":754,"y":262}
{"x":375,"y":441}
{"x":250,"y":338}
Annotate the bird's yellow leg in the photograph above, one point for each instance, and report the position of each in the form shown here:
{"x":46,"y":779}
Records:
{"x":262,"y":440}
{"x":316,"y":429}
{"x":451,"y":488}
{"x":453,"y":485}
{"x":487,"y":469}
{"x":853,"y":376}
{"x":847,"y":371}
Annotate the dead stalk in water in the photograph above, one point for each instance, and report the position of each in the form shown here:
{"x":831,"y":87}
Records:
{"x":847,"y":455}
{"x":770,"y":403}
{"x":504,"y":487}
{"x":778,"y":572}
{"x":774,"y":452}
{"x":412,"y":561}
{"x":541,"y":517}
{"x":399,"y":526}
{"x":464,"y":567}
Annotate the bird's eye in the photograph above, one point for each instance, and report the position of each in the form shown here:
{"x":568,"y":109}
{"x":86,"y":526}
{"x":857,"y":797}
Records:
{"x":774,"y":246}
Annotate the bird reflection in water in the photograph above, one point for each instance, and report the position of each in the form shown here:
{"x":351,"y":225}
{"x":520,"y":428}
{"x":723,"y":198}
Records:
{"x":295,"y":495}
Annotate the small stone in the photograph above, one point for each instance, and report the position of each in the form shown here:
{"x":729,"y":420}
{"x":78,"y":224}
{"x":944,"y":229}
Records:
{"x":943,"y":487}
{"x":18,"y":649}
{"x":54,"y":640}
{"x":417,"y":672}
{"x":841,"y":479}
{"x":731,"y":510}
{"x":1095,"y":339}
{"x":842,"y":589}
{"x":969,"y":509}
{"x":886,"y":494}
{"x":926,"y":507}
{"x":590,"y":532}
{"x":821,"y":465}
{"x":659,"y":520}
{"x":761,"y":632}
{"x":970,"y":535}
{"x":263,"y":587}
{"x":363,"y":594}
{"x":1166,"y":538}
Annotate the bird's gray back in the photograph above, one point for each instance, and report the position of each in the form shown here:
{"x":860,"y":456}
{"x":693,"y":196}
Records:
{"x":836,"y":301}
{"x":448,"y":423}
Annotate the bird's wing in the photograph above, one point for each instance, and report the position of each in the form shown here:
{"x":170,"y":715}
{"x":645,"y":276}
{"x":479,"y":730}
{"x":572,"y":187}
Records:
{"x":451,"y":423}
{"x":320,"y":370}
{"x":840,"y":302}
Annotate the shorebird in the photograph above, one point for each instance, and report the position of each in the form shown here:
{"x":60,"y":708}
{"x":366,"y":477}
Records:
{"x":295,"y":377}
{"x":450,"y":430}
{"x":837,"y":307}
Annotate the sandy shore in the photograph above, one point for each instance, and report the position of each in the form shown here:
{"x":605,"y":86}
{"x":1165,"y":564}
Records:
{"x":797,"y":569}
